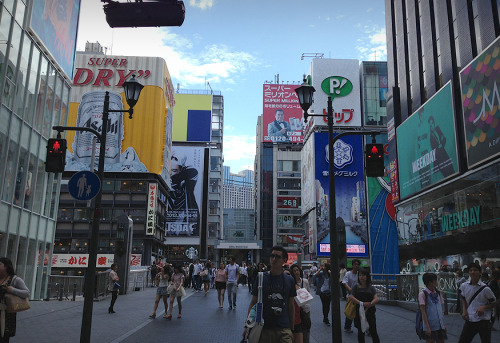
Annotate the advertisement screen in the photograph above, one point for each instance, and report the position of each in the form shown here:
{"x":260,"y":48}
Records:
{"x":481,"y":105}
{"x":193,"y":118}
{"x":186,"y":192}
{"x":282,"y":115}
{"x":56,"y":25}
{"x":132,"y":145}
{"x":427,"y":148}
{"x":349,"y":190}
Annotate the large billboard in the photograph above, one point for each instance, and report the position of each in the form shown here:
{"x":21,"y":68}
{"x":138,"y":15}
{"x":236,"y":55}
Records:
{"x":55,"y":24}
{"x":349,"y":191}
{"x":338,"y":79}
{"x":481,"y":105}
{"x":132,"y":145}
{"x":282,"y":116}
{"x":186,"y":191}
{"x":427,"y":148}
{"x":193,"y":118}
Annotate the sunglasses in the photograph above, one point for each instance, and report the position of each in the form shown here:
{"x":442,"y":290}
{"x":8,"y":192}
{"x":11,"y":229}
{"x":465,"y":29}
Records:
{"x":276,"y":256}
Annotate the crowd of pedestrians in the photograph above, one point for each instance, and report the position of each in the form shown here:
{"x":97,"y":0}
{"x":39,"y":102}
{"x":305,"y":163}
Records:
{"x":287,"y":321}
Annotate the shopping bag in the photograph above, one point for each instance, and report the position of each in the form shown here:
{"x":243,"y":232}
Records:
{"x":255,"y":322}
{"x":350,"y":309}
{"x":303,"y":297}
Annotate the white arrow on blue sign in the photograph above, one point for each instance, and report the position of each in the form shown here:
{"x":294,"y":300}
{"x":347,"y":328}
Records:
{"x":84,"y":185}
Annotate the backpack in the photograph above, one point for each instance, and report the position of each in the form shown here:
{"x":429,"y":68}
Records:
{"x":419,"y":320}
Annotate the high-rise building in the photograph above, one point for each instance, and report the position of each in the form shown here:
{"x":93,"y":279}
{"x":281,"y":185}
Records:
{"x":36,"y":66}
{"x":442,"y":110}
{"x":238,"y":189}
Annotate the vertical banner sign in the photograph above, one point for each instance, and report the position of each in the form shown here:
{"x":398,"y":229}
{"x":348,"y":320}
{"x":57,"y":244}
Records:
{"x":151,"y":217}
{"x":186,"y":193}
{"x":481,"y":105}
{"x":282,"y":115}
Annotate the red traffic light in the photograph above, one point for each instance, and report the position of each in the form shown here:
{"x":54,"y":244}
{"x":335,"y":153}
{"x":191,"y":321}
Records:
{"x":56,"y":155}
{"x":374,"y":149}
{"x":374,"y":160}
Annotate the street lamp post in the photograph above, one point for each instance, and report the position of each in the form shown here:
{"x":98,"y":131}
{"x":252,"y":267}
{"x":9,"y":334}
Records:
{"x":305,"y":95}
{"x":132,"y":91}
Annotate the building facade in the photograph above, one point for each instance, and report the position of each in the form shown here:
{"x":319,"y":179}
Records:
{"x":35,"y":83}
{"x":443,"y":97}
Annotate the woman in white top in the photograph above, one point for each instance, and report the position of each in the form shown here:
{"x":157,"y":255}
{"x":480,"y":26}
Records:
{"x":162,"y":280}
{"x":302,"y":282}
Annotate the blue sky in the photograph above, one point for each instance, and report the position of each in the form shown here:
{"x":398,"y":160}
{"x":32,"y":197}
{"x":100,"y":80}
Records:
{"x":237,"y":45}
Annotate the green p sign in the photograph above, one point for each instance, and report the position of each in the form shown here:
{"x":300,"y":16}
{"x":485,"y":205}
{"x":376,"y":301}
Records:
{"x":336,"y":86}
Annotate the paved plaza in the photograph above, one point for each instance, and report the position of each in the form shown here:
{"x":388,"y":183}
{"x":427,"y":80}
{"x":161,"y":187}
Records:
{"x":202,"y":321}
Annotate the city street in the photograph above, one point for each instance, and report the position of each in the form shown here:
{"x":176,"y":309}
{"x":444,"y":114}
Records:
{"x":202,"y":321}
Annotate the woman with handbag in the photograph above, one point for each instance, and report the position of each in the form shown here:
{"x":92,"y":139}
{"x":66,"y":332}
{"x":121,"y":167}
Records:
{"x":363,"y":293}
{"x":113,"y":286}
{"x":305,"y":310}
{"x":176,"y":291}
{"x":205,"y":276}
{"x":10,"y":284}
{"x":323,"y":290}
{"x":163,"y":278}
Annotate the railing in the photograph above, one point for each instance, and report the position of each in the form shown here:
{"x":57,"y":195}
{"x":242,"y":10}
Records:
{"x":405,"y":288}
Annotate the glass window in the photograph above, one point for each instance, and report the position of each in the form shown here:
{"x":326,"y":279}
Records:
{"x":48,"y":112}
{"x":64,"y":104}
{"x":23,"y":75}
{"x":32,"y":85}
{"x":214,"y":163}
{"x":41,"y":177}
{"x":21,"y":8}
{"x":11,"y":161}
{"x":213,"y":206}
{"x":40,"y":94}
{"x":4,"y":35}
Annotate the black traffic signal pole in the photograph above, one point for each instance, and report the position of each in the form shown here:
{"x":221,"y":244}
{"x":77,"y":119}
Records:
{"x":334,"y":253}
{"x":88,"y":294}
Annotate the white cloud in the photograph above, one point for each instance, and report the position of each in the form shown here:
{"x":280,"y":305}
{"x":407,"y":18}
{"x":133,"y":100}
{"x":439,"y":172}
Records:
{"x":239,"y":151}
{"x":373,"y":46}
{"x":202,"y":4}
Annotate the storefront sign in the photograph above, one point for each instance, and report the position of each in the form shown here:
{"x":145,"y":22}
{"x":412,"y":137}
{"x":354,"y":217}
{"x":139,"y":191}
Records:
{"x":151,"y":216}
{"x":80,"y":260}
{"x":462,"y":219}
{"x":427,"y":151}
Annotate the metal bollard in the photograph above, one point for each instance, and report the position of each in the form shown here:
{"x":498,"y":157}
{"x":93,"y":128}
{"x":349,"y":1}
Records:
{"x":74,"y":292}
{"x":445,"y":294}
{"x":61,"y":291}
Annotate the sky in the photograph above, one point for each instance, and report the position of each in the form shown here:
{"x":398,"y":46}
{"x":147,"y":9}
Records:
{"x":236,"y":46}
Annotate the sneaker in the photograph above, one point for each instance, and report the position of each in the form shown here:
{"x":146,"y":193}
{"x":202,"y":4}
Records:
{"x":152,"y":316}
{"x":230,"y":307}
{"x":326,"y":321}
{"x":234,"y":307}
{"x":348,"y":330}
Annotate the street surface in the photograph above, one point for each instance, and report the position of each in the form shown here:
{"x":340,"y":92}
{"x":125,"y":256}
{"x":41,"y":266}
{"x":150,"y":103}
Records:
{"x":202,"y":321}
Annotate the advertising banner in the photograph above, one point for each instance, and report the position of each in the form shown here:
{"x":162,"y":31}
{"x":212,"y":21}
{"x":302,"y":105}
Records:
{"x":151,"y":216}
{"x":80,"y":260}
{"x":55,"y":24}
{"x":427,"y":148}
{"x":338,"y":79}
{"x":186,"y":193}
{"x":349,"y":191}
{"x":132,"y":145}
{"x":282,"y":116}
{"x":193,"y":118}
{"x":481,"y":105}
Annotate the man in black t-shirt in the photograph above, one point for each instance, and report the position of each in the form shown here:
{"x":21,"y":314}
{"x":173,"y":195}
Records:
{"x":278,"y":293}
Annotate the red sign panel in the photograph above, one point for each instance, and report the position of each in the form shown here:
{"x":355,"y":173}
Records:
{"x":282,"y":118}
{"x":288,"y":202}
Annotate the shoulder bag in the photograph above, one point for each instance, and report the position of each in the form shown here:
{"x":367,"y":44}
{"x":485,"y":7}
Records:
{"x":350,"y":307}
{"x":14,"y":303}
{"x":255,"y":322}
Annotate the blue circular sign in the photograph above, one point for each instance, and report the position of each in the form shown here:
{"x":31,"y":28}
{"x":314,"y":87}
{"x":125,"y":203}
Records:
{"x":84,"y":185}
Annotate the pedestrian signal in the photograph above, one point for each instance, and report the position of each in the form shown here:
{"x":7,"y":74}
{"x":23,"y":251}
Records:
{"x":374,"y":160}
{"x":56,"y":155}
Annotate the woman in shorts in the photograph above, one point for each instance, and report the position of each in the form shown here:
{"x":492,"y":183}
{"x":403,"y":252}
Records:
{"x":162,"y":279}
{"x":220,"y":283}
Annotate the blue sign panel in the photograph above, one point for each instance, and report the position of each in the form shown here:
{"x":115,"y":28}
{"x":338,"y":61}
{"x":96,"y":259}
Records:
{"x":84,"y":185}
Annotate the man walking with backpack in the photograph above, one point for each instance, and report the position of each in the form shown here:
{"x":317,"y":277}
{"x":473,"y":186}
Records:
{"x":478,"y":301}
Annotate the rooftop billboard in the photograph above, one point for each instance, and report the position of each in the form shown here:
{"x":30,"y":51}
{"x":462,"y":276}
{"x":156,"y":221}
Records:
{"x":133,"y":145}
{"x":282,"y":118}
{"x":192,"y":118}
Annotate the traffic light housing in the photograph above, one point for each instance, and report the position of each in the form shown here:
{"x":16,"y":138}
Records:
{"x":374,"y":160}
{"x":145,"y":14}
{"x":56,"y":155}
